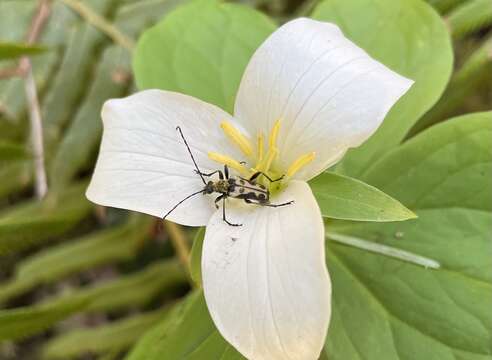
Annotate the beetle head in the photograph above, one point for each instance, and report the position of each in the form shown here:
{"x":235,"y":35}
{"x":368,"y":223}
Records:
{"x":209,"y":188}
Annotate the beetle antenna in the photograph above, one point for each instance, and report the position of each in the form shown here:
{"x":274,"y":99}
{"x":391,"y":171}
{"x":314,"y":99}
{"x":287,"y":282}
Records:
{"x":182,"y":201}
{"x":191,"y":154}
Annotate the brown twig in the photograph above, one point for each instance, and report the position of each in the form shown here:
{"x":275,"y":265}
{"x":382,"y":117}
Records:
{"x":41,"y":185}
{"x":37,"y":24}
{"x":10,"y":72}
{"x":39,"y":20}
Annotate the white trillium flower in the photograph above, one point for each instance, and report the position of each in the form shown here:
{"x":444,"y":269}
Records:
{"x":307,"y":96}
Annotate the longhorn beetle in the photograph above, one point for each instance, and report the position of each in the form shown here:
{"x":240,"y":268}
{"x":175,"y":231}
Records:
{"x":230,"y":186}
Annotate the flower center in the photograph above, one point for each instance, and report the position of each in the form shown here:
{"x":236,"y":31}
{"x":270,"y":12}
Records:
{"x":264,"y":160}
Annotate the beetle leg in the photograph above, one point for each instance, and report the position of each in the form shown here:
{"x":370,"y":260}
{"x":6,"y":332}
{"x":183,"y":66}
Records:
{"x":279,"y":205}
{"x":221,"y":175}
{"x":224,"y":197}
{"x":256,"y":174}
{"x":249,"y":201}
{"x":226,"y":172}
{"x":217,"y":199}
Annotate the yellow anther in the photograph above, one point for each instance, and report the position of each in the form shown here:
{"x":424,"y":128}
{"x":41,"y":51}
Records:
{"x":260,"y":147}
{"x":300,"y":162}
{"x":227,"y":160}
{"x":272,"y":141}
{"x":237,"y":138}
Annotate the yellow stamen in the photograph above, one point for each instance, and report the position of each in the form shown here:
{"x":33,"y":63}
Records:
{"x":226,"y":160}
{"x":237,"y":138}
{"x":265,"y":155}
{"x":264,"y":163}
{"x":260,"y":147}
{"x":271,"y":155}
{"x":299,"y":163}
{"x":272,"y":141}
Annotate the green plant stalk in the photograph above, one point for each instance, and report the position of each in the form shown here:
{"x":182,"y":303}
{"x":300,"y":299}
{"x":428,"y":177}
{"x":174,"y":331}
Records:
{"x":180,"y":244}
{"x":100,"y":23}
{"x":383,"y":250}
{"x":12,"y":50}
{"x":475,"y":72}
{"x":469,"y":17}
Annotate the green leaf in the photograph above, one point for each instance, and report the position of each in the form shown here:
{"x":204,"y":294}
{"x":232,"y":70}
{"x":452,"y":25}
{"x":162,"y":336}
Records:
{"x":410,"y":38}
{"x":15,"y":167}
{"x":444,"y":6}
{"x":135,"y":289}
{"x":470,"y":17}
{"x":15,"y":176}
{"x":16,"y":19}
{"x":149,"y":346}
{"x":428,"y":171}
{"x":188,"y":334}
{"x":116,"y":336}
{"x":76,"y":68}
{"x":341,"y":197}
{"x":11,"y":151}
{"x":474,"y":75}
{"x":196,"y":257}
{"x":23,"y":322}
{"x":85,"y":130}
{"x":98,"y":248}
{"x":411,"y":312}
{"x":81,"y":56}
{"x":33,"y":222}
{"x":11,"y":50}
{"x":201,"y":49}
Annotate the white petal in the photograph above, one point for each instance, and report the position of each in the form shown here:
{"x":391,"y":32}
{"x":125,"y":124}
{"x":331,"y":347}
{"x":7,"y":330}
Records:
{"x":143,"y":164}
{"x":329,"y":93}
{"x":265,"y":282}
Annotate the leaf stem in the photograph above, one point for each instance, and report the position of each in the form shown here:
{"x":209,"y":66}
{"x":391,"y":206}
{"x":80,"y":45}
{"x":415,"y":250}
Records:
{"x":383,"y":250}
{"x":100,"y":23}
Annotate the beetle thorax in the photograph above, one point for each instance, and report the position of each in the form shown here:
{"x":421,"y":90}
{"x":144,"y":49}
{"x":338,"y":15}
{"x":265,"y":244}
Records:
{"x":221,"y":186}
